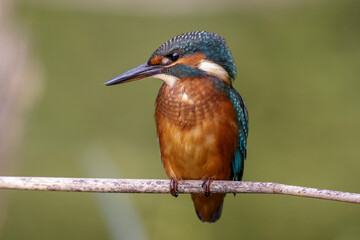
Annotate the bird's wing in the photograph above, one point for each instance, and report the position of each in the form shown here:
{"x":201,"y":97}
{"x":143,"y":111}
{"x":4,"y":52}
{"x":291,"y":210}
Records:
{"x":243,"y":123}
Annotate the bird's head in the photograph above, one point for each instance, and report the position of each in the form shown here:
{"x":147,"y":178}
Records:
{"x":193,"y":54}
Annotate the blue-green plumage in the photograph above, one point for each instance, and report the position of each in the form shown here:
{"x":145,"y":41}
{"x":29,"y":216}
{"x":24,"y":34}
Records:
{"x":243,"y":124}
{"x":183,"y":70}
{"x":243,"y":121}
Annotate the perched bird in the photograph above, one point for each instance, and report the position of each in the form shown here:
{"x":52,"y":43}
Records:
{"x":201,"y":120}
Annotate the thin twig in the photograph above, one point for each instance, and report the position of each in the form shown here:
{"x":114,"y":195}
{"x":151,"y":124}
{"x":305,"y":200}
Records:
{"x":107,"y":185}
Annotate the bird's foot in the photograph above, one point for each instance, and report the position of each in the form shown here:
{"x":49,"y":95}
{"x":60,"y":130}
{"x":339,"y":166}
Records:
{"x":174,"y":187}
{"x":206,"y":185}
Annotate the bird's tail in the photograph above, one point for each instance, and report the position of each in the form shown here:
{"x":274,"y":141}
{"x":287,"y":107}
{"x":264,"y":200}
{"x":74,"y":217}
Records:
{"x":208,"y":209}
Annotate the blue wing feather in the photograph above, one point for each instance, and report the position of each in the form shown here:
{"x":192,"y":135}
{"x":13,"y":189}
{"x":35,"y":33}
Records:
{"x":243,"y":123}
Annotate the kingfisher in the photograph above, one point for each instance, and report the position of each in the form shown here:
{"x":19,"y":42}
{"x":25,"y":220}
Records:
{"x":201,"y":120}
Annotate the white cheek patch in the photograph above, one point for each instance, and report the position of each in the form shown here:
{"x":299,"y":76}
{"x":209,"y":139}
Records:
{"x":214,"y":69}
{"x":168,"y":79}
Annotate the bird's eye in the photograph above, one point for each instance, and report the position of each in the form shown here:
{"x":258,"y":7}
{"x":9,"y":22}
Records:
{"x":174,"y":56}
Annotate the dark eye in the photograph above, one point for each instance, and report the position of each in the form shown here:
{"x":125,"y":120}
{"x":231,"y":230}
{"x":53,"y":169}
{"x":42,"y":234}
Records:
{"x":174,"y":56}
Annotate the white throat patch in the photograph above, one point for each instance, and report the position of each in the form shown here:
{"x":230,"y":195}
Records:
{"x":168,"y":79}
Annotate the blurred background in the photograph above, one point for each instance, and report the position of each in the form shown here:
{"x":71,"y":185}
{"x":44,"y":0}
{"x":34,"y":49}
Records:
{"x":298,"y":66}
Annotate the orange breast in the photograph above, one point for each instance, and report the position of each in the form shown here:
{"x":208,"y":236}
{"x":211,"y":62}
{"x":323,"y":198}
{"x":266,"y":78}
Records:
{"x":197,"y":130}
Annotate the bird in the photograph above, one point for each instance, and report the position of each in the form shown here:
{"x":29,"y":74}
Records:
{"x":201,"y":119}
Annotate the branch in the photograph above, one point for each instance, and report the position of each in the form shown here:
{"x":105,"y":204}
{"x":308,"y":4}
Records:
{"x":107,"y":185}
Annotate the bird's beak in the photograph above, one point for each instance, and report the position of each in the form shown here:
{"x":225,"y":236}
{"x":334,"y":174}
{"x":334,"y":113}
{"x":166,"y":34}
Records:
{"x":139,"y":72}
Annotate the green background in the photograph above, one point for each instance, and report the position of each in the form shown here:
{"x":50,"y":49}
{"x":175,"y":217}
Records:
{"x":298,"y":71}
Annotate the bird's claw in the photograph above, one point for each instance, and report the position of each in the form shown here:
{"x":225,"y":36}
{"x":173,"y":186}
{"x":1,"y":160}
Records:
{"x":174,"y":187}
{"x":206,"y":186}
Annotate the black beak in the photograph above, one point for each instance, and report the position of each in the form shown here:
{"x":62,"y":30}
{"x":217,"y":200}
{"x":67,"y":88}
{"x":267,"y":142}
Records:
{"x":139,"y":72}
